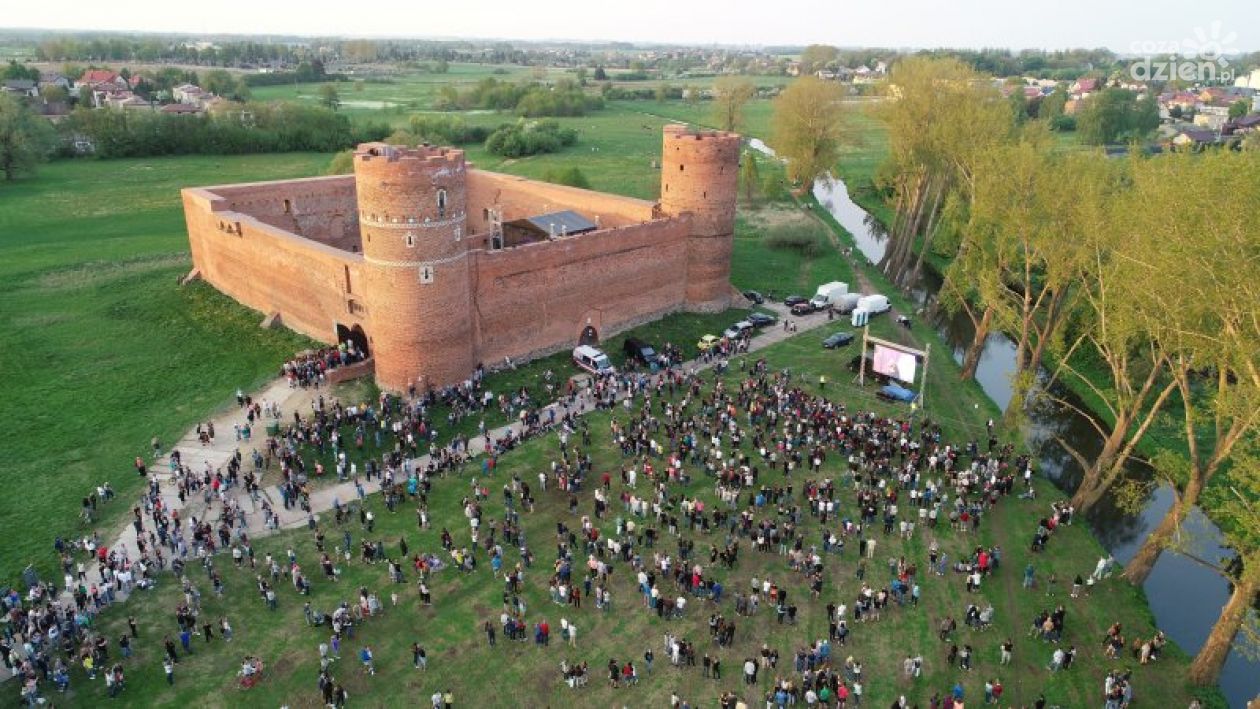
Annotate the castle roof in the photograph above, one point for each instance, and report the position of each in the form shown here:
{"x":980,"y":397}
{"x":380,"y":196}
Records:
{"x":564,"y":222}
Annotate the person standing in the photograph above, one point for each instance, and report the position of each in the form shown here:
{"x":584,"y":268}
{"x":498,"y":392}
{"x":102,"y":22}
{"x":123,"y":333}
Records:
{"x":169,"y":668}
{"x":419,"y":658}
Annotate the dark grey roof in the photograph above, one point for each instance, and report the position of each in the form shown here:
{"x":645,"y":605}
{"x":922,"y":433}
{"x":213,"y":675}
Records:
{"x":565,"y":222}
{"x":19,"y":84}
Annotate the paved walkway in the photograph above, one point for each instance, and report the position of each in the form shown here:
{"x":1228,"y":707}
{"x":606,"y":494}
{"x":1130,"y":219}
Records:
{"x":197,"y":456}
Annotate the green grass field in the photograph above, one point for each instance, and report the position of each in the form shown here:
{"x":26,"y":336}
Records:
{"x":513,"y":674}
{"x":105,"y":351}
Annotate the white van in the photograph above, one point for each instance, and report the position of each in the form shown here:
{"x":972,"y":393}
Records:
{"x":846,"y":303}
{"x":592,"y":360}
{"x":874,"y":304}
{"x":828,"y":293}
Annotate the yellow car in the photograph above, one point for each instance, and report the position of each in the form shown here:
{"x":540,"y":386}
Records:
{"x":707,"y":342}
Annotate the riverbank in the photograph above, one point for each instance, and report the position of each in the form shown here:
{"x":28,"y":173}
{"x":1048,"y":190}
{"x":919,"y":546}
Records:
{"x":1176,"y":576}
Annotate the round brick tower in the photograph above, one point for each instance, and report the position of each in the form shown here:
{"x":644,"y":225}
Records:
{"x":700,"y":175}
{"x":417,"y":286}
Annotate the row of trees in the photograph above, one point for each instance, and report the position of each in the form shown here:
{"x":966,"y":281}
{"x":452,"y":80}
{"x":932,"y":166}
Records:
{"x":247,"y":128}
{"x":1134,"y":276}
{"x":180,"y":51}
{"x":529,"y":99}
{"x":1131,"y":279}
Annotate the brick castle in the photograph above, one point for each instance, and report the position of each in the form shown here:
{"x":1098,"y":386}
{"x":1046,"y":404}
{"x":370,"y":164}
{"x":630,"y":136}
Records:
{"x":433,"y":266}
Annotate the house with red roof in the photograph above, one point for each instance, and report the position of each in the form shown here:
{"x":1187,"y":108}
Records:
{"x":1084,"y":86}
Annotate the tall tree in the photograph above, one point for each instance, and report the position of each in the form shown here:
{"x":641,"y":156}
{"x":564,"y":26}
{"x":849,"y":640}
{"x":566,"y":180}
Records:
{"x":1239,"y":517}
{"x":1116,"y":114}
{"x":806,"y":128}
{"x":941,"y":116}
{"x":1117,"y":330}
{"x":730,"y":93}
{"x":25,"y":138}
{"x":329,"y":97}
{"x":750,"y":175}
{"x":818,"y":56}
{"x":1212,"y":337}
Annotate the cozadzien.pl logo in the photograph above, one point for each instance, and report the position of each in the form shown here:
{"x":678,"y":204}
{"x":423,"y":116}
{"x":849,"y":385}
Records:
{"x":1201,"y":57}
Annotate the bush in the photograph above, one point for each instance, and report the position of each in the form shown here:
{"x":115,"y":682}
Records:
{"x":802,"y":238}
{"x":1063,"y":123}
{"x":571,"y":176}
{"x":341,"y":164}
{"x":524,"y":138}
{"x":446,"y":130}
{"x":531,"y":100}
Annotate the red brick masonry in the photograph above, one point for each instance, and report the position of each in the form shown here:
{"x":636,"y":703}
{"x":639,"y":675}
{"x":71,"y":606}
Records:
{"x":402,"y":251}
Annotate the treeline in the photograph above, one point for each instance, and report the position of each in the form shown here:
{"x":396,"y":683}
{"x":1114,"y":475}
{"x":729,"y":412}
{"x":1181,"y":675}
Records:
{"x":510,"y":140}
{"x":305,"y":72}
{"x":1131,"y":281}
{"x":529,"y":99}
{"x":176,"y":50}
{"x":247,"y":128}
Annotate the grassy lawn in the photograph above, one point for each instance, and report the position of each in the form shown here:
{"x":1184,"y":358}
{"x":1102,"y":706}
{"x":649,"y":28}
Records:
{"x":526,"y":675}
{"x":104,"y":350}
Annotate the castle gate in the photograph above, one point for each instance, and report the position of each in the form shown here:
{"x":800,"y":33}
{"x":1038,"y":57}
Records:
{"x":356,"y":335}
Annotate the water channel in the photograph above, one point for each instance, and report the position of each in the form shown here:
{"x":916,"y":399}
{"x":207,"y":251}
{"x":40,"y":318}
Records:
{"x":1176,"y":578}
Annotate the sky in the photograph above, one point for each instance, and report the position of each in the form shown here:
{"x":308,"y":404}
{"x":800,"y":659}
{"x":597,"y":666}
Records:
{"x":1125,"y":26}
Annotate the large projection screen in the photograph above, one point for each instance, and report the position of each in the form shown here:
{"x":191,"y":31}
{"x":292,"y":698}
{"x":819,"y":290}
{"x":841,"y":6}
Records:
{"x":895,"y":363}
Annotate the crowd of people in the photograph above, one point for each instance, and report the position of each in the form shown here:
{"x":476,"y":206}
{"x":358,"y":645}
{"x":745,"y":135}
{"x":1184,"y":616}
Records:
{"x":762,"y":441}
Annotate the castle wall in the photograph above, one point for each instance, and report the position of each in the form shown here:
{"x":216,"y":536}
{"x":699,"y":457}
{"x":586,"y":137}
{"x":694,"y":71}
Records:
{"x":401,"y":250}
{"x":320,"y":208}
{"x":537,"y":298}
{"x":271,"y":270}
{"x":519,"y":197}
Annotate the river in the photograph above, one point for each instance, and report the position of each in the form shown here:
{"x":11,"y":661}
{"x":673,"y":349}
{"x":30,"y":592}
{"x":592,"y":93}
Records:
{"x":1176,"y":578}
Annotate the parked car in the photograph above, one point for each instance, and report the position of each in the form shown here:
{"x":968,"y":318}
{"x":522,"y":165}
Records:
{"x":804,"y":308}
{"x":642,"y":352}
{"x":737,"y":330}
{"x":761,"y":319}
{"x":755,"y":297}
{"x":792,"y":300}
{"x":707,"y":342}
{"x":838,"y":339}
{"x":592,"y":360}
{"x":893,"y":392}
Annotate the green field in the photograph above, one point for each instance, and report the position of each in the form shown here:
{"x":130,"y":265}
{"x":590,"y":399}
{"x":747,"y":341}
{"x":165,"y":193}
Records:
{"x":525,"y":675}
{"x":105,"y":351}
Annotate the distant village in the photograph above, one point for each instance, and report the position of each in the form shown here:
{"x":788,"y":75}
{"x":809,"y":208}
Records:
{"x":107,"y":89}
{"x":1190,"y":115}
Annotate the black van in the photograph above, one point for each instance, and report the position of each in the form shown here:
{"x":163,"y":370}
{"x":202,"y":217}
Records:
{"x":642,"y":352}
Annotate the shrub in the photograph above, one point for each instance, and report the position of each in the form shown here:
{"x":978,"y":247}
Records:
{"x":571,"y":176}
{"x":446,"y":130}
{"x":341,"y":164}
{"x":802,"y":238}
{"x":529,"y":138}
